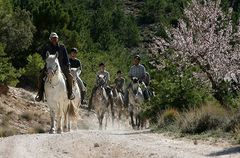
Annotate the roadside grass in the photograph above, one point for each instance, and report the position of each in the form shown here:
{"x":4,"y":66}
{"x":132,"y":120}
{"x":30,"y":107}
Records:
{"x":6,"y":131}
{"x":37,"y":128}
{"x":27,"y":115}
{"x":210,"y":122}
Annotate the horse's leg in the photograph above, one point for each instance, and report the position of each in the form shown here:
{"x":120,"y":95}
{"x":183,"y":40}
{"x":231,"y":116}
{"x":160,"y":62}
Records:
{"x":106,"y":118}
{"x":69,"y":125}
{"x":132,"y":121}
{"x":139,"y":121}
{"x":59,"y":122}
{"x":112,"y":112}
{"x":66,"y":119}
{"x":100,"y":122}
{"x":118,"y":117}
{"x":143,"y":123}
{"x":52,"y":116}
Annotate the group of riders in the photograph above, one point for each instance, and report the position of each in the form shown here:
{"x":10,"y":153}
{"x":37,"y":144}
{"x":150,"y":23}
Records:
{"x":70,"y":61}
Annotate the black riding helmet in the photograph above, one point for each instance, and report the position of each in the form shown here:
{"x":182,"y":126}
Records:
{"x":101,"y":64}
{"x":119,"y":72}
{"x":137,"y":57}
{"x":74,"y":50}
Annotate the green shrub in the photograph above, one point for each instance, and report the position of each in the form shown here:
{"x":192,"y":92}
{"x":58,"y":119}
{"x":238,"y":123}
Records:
{"x":35,"y":64}
{"x":176,"y":88}
{"x":8,"y":74}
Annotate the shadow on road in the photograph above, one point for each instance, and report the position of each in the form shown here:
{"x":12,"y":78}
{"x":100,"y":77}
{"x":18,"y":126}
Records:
{"x":228,"y":151}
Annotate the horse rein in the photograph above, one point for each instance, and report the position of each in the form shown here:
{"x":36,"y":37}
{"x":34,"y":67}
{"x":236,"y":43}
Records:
{"x":53,"y":72}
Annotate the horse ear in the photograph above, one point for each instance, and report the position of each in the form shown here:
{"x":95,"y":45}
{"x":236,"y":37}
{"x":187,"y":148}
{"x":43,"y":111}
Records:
{"x":56,"y":56}
{"x":47,"y":54}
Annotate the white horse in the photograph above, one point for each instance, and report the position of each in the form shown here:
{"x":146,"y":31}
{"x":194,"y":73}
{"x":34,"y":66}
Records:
{"x":76,"y":91}
{"x":56,"y":95}
{"x":136,"y":99}
{"x":100,"y":102}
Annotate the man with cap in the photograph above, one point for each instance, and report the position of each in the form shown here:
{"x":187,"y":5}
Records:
{"x":139,"y":71}
{"x":75,"y":63}
{"x":52,"y":48}
{"x":106,"y":77}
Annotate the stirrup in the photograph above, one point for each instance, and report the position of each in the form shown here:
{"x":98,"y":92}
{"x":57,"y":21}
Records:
{"x":38,"y":98}
{"x":71,"y":96}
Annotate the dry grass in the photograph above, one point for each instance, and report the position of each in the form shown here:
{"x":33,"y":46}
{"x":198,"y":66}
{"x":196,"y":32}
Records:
{"x":2,"y":109}
{"x":38,"y":128}
{"x":206,"y":118}
{"x":233,"y":125}
{"x":27,"y":115}
{"x":168,"y":117}
{"x":5,"y":121}
{"x":7,"y":131}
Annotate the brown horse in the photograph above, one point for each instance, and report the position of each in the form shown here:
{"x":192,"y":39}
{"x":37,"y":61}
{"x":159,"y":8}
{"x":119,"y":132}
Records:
{"x":100,"y":102}
{"x":118,"y":104}
{"x":136,"y":99}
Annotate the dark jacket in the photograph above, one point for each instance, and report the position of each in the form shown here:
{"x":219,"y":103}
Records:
{"x":62,"y":54}
{"x":75,"y":63}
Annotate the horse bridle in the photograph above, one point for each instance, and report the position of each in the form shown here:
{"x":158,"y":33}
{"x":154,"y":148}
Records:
{"x":53,"y":69}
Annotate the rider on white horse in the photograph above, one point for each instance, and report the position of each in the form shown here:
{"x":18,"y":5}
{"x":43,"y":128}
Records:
{"x":106,"y":77}
{"x":75,"y":63}
{"x":138,"y":71}
{"x":52,"y":48}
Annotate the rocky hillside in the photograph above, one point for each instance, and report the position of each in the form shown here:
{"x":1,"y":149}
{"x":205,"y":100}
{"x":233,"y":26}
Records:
{"x":19,"y":113}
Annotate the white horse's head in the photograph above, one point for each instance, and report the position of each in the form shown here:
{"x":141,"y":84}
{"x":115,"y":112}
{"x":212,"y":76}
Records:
{"x":75,"y":72}
{"x":52,"y":64}
{"x":135,"y":84}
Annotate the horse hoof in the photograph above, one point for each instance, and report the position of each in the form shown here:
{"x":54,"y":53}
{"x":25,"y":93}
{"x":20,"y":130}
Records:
{"x":59,"y":131}
{"x":52,"y":131}
{"x":66,"y":130}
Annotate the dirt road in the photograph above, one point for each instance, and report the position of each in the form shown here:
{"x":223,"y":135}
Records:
{"x":108,"y":144}
{"x":91,"y":143}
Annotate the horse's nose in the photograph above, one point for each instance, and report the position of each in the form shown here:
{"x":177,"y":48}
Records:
{"x":49,"y":73}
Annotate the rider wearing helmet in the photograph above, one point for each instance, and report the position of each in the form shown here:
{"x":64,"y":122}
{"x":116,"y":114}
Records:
{"x":75,"y":63}
{"x":106,"y":77}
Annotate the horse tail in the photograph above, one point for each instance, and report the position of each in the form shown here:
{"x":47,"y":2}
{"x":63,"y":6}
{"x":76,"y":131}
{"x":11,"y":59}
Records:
{"x":72,"y":111}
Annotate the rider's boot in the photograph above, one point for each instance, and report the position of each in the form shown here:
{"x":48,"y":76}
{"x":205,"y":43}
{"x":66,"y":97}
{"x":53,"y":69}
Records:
{"x":126,"y":99}
{"x":71,"y":96}
{"x":69,"y":77}
{"x":39,"y":96}
{"x":83,"y":97}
